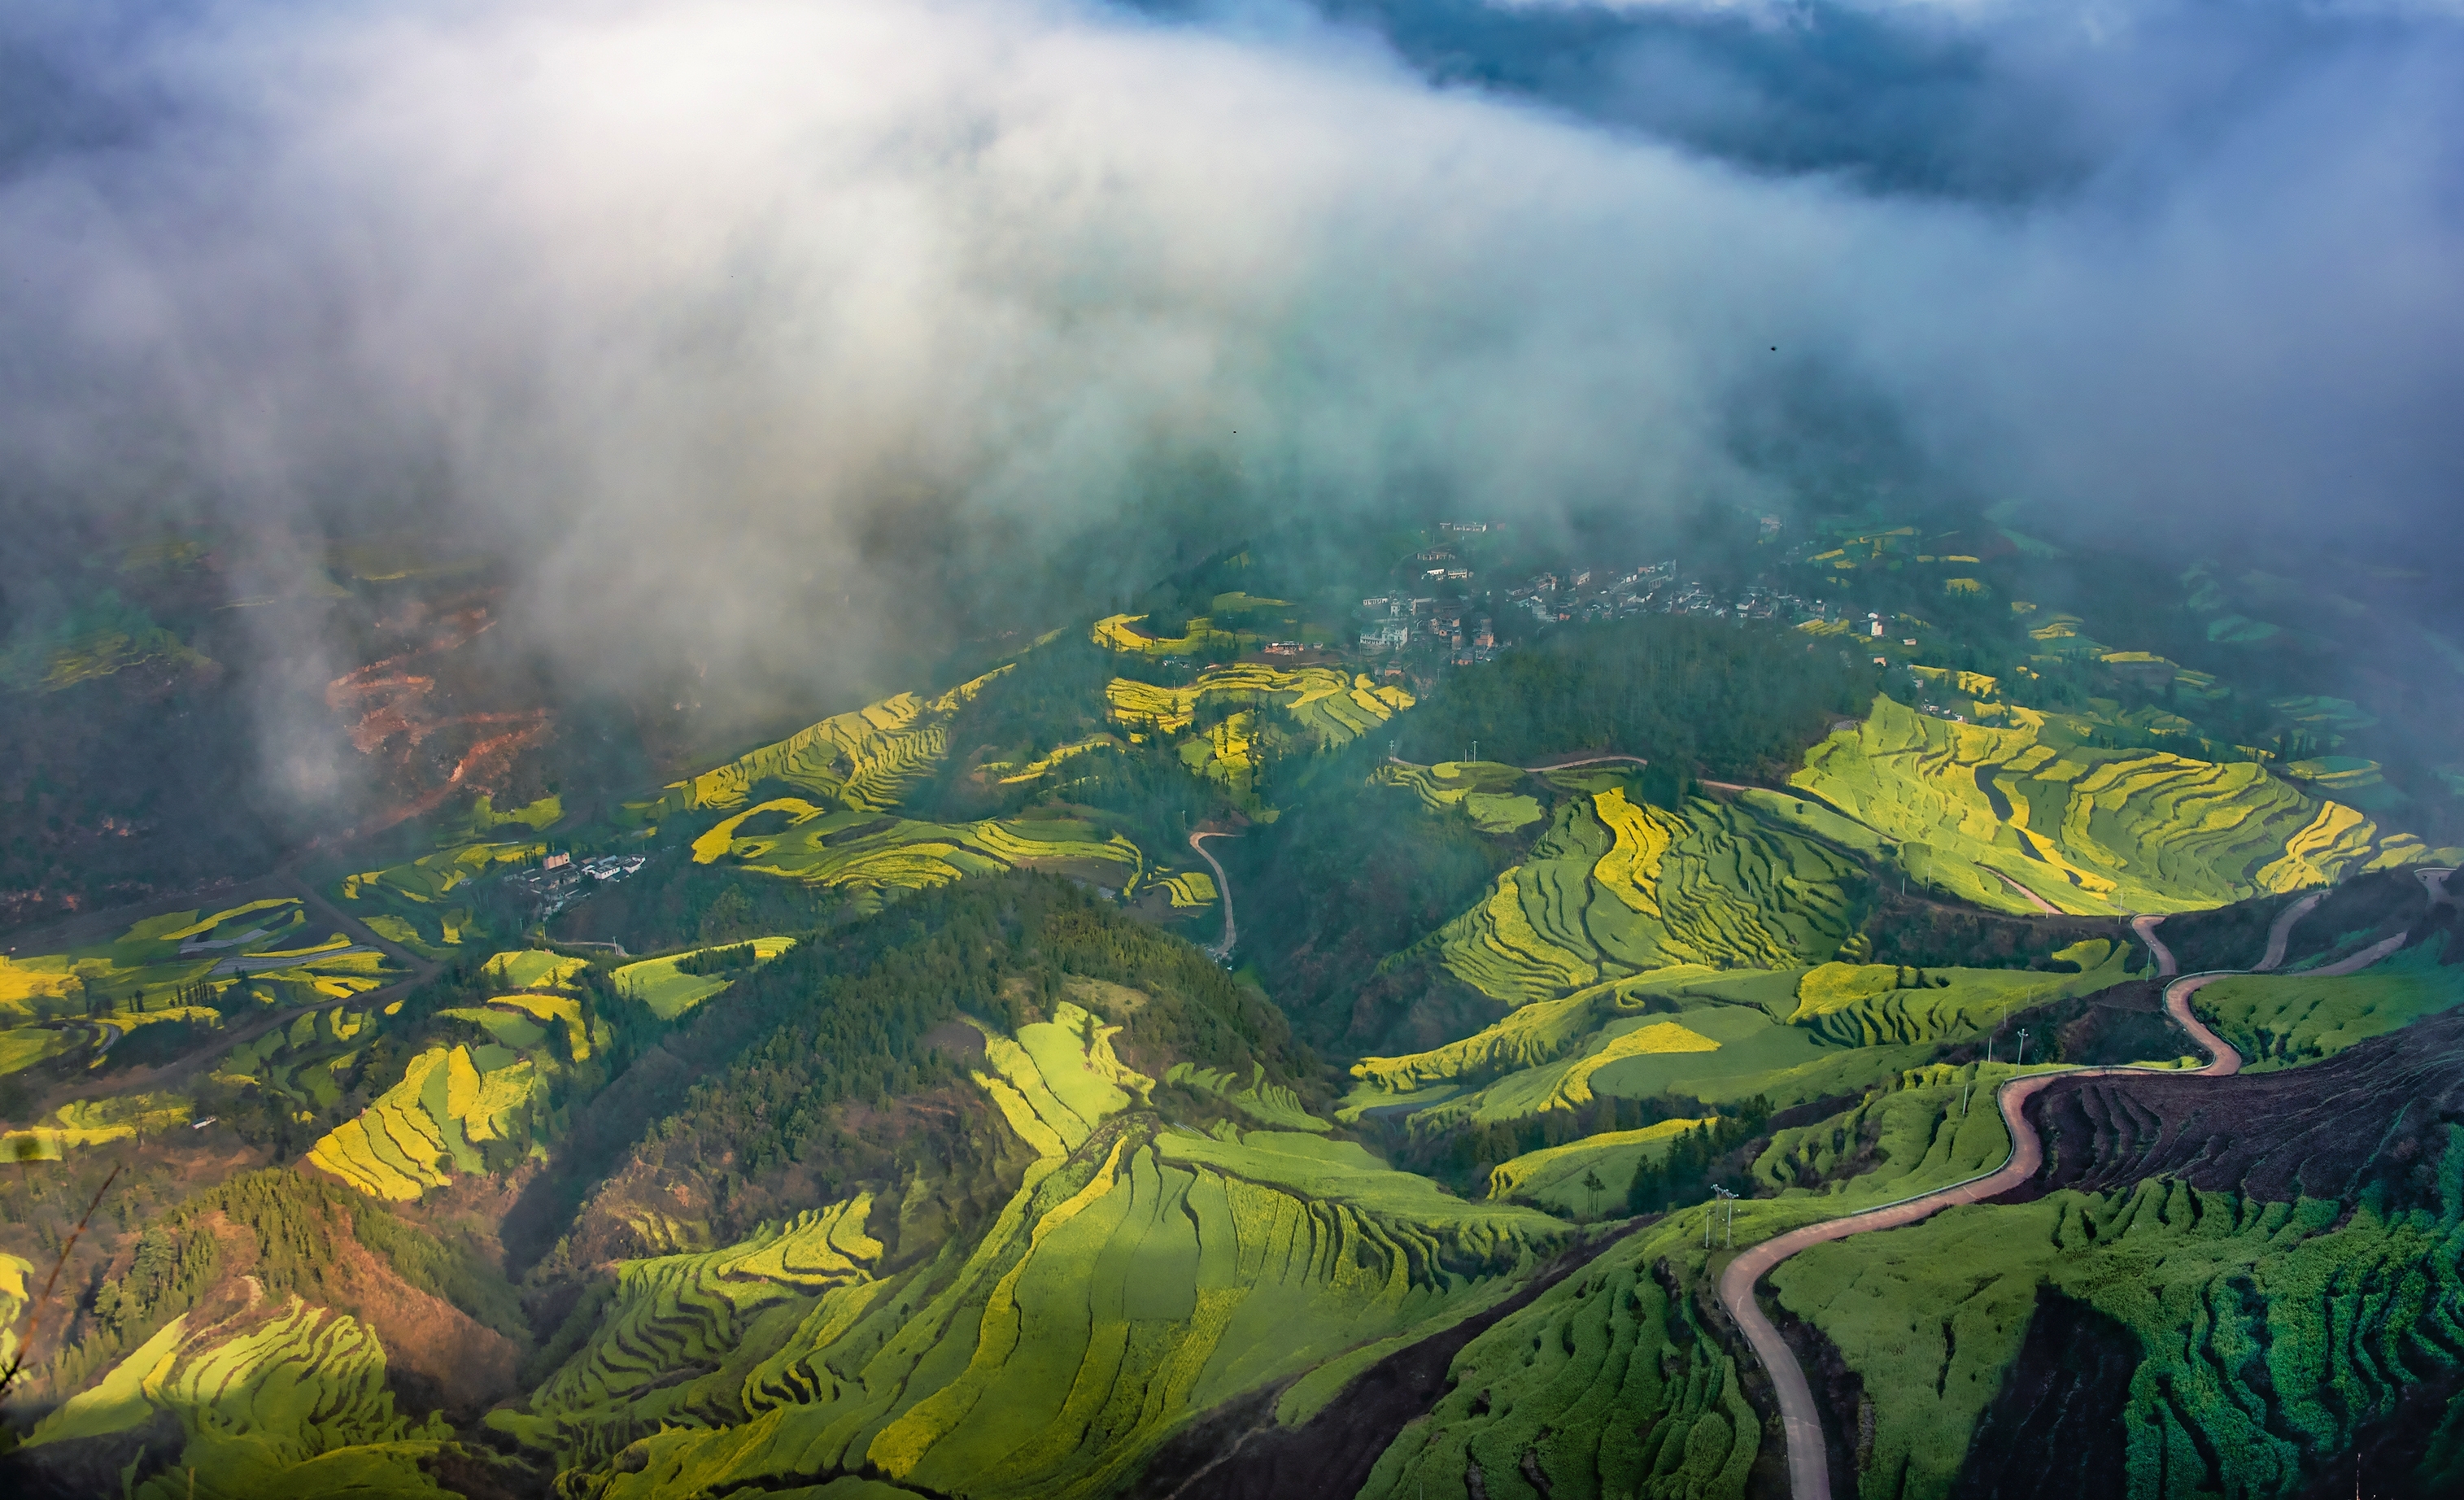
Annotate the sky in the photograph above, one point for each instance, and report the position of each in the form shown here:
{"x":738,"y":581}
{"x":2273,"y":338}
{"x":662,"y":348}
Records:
{"x":745,"y":326}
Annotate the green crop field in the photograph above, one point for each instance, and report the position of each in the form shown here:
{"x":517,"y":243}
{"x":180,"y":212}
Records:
{"x":96,"y":1123}
{"x":2267,"y":1332}
{"x":1267,"y":1103}
{"x":1971,"y":808}
{"x":158,"y":970}
{"x":863,"y":760}
{"x":1007,"y":774}
{"x":1229,"y":753}
{"x":1190,"y":889}
{"x":669,"y":992}
{"x":870,"y":855}
{"x":146,"y":959}
{"x":1605,"y":1385}
{"x":1332,"y":706}
{"x":413,"y":903}
{"x":1485,"y":791}
{"x":456,"y":1110}
{"x":1872,"y":1004}
{"x":1788,"y":1036}
{"x":1137,"y":1277}
{"x":534,"y":968}
{"x":1552,"y":1177}
{"x":991,"y":1184}
{"x":1120,"y":632}
{"x":2279,"y":1021}
{"x":281,"y":1402}
{"x":1617,"y":888}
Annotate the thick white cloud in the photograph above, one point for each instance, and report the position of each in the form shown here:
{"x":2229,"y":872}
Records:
{"x":725,"y":314}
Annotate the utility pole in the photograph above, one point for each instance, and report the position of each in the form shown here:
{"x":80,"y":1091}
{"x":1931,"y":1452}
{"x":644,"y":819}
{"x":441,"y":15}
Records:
{"x":2023,"y":1047}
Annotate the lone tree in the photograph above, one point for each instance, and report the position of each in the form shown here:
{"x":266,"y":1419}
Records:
{"x":1592,"y":1185}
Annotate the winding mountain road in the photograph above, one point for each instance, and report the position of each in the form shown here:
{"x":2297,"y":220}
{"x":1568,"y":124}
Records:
{"x":1222,"y":883}
{"x":1808,"y":1464}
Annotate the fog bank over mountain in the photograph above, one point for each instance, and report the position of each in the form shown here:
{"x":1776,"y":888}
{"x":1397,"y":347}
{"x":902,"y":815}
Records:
{"x":741,"y":323}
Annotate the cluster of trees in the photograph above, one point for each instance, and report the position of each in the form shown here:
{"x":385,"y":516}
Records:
{"x":1705,"y":696}
{"x":1696,"y":1161}
{"x":1464,"y":1153}
{"x":296,"y":1223}
{"x":718,"y":961}
{"x":851,"y":1021}
{"x":833,"y":1066}
{"x":1054,"y":696}
{"x":1347,"y":876}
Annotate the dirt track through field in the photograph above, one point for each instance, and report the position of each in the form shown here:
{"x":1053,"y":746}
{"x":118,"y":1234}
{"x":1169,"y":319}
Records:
{"x":1801,"y":1421}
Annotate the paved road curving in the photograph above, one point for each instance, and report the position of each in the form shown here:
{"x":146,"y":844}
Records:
{"x":1223,"y":884}
{"x":1808,"y":1463}
{"x":1561,"y":765}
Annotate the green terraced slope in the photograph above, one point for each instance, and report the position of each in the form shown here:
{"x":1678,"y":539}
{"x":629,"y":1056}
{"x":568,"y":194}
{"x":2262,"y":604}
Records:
{"x":2279,"y":1021}
{"x":276,"y":1402}
{"x":1617,"y":888}
{"x":1974,"y":809}
{"x":1332,"y":706}
{"x":1138,"y":1276}
{"x":871,"y":856}
{"x":2268,"y":1331}
{"x":670,"y":989}
{"x":863,"y":760}
{"x":1605,"y":1385}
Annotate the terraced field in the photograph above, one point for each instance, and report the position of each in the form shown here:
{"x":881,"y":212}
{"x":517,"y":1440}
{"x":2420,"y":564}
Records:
{"x":1606,"y":1385}
{"x":413,"y":1138}
{"x":1554,"y":1176}
{"x":1120,"y":632}
{"x":152,"y":957}
{"x":727,"y":1312}
{"x":457,"y":1110}
{"x":1008,"y":774}
{"x":279,"y":1400}
{"x":1333,"y":707}
{"x":1191,"y":890}
{"x":1229,"y":755}
{"x":14,"y":1293}
{"x":302,"y":1063}
{"x":1788,"y":1036}
{"x":413,"y":903}
{"x":1617,"y":887}
{"x":2277,"y":1021}
{"x":870,"y":855}
{"x":1490,"y":795}
{"x":95,"y":1122}
{"x":1265,"y":1102}
{"x":2267,"y":1333}
{"x":863,"y":760}
{"x":670,"y":991}
{"x":1977,"y":811}
{"x":180,"y":966}
{"x":1138,"y":1278}
{"x":1872,"y":1004}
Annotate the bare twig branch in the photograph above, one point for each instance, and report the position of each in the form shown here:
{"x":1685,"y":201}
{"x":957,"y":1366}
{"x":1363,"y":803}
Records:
{"x":51,"y":1283}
